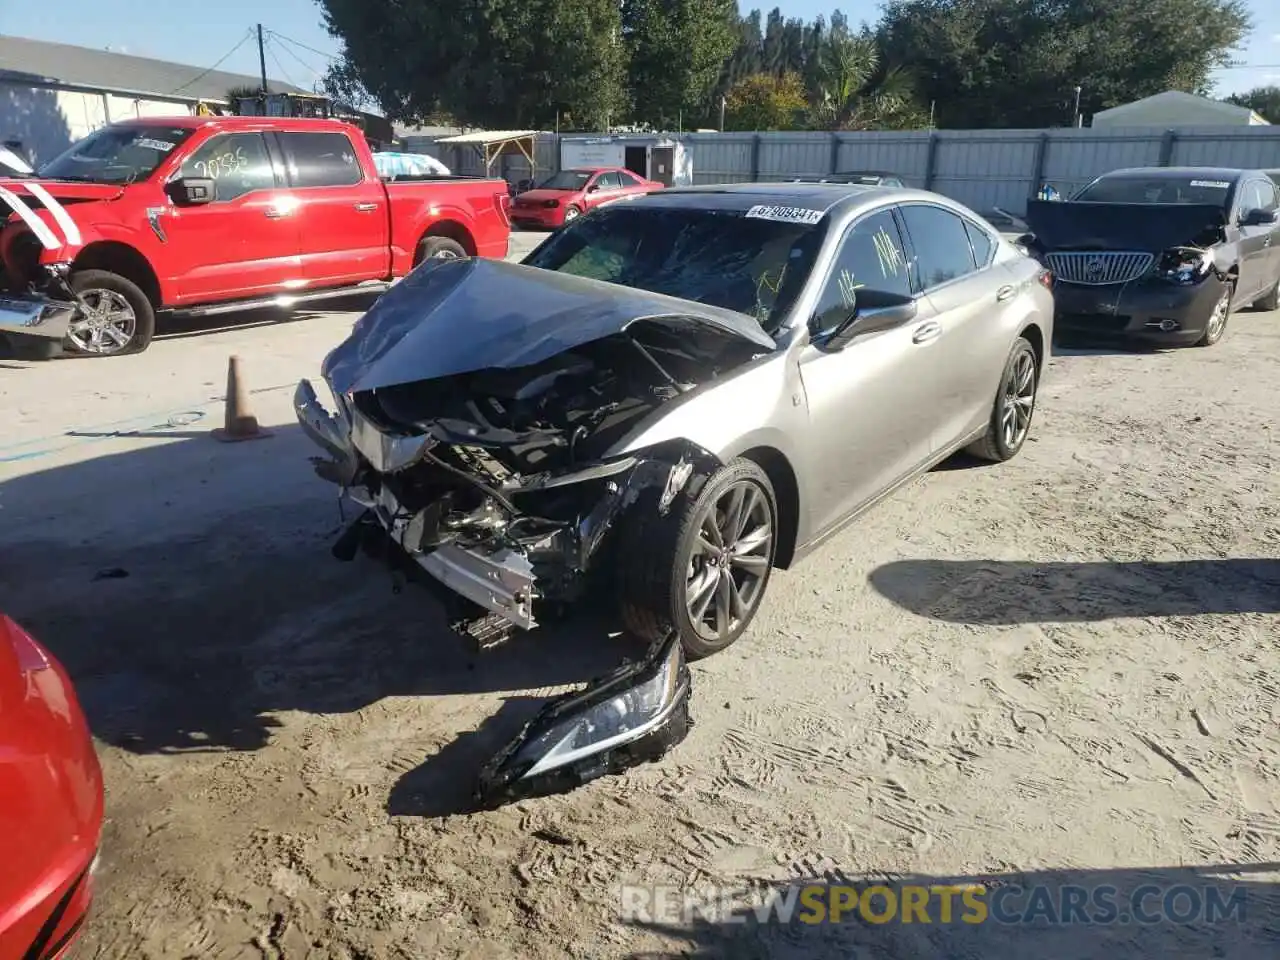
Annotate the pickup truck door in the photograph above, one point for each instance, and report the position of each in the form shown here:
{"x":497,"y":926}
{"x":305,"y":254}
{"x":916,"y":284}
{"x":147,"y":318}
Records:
{"x":243,"y":243}
{"x":343,"y":213}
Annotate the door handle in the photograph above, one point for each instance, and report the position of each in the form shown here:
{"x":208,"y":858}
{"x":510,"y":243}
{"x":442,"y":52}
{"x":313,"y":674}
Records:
{"x":366,"y":207}
{"x":926,"y":332}
{"x":277,"y":213}
{"x":1005,"y":292}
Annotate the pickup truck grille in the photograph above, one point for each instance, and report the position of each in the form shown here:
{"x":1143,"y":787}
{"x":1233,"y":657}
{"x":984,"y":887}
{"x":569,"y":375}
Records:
{"x":1098,"y":268}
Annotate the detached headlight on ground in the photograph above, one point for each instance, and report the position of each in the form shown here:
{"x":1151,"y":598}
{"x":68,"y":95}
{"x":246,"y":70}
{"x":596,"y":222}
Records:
{"x":631,"y":717}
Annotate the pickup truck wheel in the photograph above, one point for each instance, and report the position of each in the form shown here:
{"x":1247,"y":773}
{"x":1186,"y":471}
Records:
{"x":115,"y":316}
{"x":702,"y":569}
{"x":440,"y":248}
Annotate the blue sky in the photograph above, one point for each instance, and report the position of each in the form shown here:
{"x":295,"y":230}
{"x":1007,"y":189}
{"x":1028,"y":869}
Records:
{"x":201,"y":33}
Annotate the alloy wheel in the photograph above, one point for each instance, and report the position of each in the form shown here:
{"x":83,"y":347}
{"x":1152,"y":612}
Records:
{"x":105,"y":323}
{"x":570,"y":213}
{"x":1218,"y":319}
{"x":1019,"y":401}
{"x":445,"y":254}
{"x":730,"y":561}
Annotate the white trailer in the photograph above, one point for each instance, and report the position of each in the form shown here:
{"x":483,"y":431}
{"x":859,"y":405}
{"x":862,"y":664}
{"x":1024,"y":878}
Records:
{"x":664,"y":159}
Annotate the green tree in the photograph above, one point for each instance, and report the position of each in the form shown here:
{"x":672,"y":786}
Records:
{"x":1264,"y":101}
{"x":764,"y":101}
{"x":854,"y":90}
{"x":491,"y":63}
{"x":678,"y":49}
{"x":1016,"y":63}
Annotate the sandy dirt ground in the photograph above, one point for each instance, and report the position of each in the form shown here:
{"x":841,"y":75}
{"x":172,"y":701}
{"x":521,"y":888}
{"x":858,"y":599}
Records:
{"x":1063,"y":670}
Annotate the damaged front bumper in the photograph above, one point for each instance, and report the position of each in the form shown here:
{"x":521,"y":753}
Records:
{"x":42,"y":313}
{"x":504,"y":561}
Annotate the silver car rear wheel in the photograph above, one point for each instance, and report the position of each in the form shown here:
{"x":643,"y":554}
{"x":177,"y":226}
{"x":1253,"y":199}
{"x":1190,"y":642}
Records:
{"x":1014,"y":408}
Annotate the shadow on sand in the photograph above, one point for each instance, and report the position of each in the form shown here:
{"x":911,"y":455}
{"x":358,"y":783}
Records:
{"x":189,"y":589}
{"x":1002,"y":593}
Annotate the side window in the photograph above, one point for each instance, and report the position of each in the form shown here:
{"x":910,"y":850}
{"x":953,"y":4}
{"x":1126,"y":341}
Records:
{"x":629,"y":179}
{"x":980,"y":240}
{"x":941,"y":244}
{"x":1250,"y":196}
{"x":1267,"y":195}
{"x":870,"y":261}
{"x":321,"y":160}
{"x":237,"y":163}
{"x":609,"y":181}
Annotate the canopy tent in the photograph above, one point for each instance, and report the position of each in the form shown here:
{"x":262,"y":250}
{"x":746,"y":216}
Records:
{"x":492,"y":144}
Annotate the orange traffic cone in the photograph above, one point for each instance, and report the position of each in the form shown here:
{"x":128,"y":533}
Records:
{"x":239,"y":424}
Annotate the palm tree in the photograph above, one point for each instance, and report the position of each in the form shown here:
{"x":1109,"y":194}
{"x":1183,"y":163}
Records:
{"x":856,"y":92}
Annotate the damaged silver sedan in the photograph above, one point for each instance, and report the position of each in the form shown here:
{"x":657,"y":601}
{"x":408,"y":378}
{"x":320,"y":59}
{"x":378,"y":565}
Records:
{"x":674,"y":396}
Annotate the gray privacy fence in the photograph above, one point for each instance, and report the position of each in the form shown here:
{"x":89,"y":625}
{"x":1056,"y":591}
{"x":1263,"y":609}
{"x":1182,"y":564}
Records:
{"x":980,"y":168}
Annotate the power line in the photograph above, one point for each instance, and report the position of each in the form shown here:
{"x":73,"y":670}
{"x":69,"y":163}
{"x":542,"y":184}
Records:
{"x":1250,"y":66}
{"x":308,"y":67}
{"x":296,"y":43}
{"x":271,"y":49}
{"x":223,"y":59}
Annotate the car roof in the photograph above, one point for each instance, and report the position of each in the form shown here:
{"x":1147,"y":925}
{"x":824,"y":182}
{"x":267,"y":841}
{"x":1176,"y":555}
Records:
{"x":1181,"y":173}
{"x":833,"y":198}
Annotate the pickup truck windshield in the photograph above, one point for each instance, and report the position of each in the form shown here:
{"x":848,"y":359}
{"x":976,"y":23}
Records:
{"x":1157,"y":189}
{"x":116,"y":154}
{"x":718,"y":257}
{"x":566,"y":180}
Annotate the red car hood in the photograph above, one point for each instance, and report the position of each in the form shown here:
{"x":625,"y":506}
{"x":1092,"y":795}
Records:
{"x":538,"y":196}
{"x":22,"y":197}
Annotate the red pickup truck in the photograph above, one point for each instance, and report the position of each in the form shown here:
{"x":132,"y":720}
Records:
{"x":214,"y":214}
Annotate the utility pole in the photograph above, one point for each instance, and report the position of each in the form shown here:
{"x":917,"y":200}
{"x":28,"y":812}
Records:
{"x":722,"y":103}
{"x":262,"y":66}
{"x":1079,"y":120}
{"x":932,"y":104}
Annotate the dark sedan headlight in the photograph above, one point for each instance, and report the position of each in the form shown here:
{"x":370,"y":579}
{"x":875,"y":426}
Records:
{"x":631,"y":717}
{"x":1184,"y":265}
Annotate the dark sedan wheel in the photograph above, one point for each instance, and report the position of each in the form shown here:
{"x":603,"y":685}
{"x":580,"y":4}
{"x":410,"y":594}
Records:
{"x":1014,"y":407}
{"x":1217,"y":323}
{"x":702,"y":570}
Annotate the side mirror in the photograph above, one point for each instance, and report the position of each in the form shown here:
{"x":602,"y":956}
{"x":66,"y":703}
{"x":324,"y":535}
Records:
{"x":867,"y":318}
{"x":191,"y":191}
{"x":1257,"y":217}
{"x":593,"y":188}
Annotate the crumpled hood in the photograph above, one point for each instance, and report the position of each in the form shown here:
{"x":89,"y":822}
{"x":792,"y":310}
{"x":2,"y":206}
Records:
{"x":450,"y":317}
{"x":25,"y":197}
{"x":1152,"y":227}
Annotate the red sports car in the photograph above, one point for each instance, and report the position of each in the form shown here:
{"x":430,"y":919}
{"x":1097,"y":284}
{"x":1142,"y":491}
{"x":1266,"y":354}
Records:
{"x":51,"y":802}
{"x":563,"y":198}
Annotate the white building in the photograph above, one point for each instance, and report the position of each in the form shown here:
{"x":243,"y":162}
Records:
{"x":52,"y":94}
{"x":1173,"y":108}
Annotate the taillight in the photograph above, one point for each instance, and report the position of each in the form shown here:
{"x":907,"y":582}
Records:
{"x":503,"y":200}
{"x":31,"y":656}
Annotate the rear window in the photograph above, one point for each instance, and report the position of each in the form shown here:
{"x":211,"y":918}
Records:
{"x":1155,"y":189}
{"x":722,"y":258}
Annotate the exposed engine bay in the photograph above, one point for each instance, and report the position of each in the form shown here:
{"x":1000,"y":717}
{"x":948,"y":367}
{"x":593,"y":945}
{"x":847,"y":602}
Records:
{"x":498,"y":481}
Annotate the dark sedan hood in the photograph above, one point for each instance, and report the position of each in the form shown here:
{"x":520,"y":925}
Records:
{"x":1152,"y":227}
{"x":458,"y":316}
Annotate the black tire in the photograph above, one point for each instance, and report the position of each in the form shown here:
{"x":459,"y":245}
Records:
{"x":656,"y":553}
{"x":440,"y":248}
{"x":85,"y":283}
{"x":998,"y":444}
{"x":1215,"y":332}
{"x":1269,"y":301}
